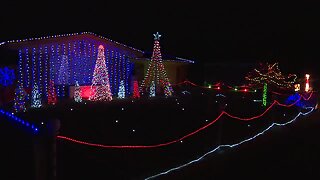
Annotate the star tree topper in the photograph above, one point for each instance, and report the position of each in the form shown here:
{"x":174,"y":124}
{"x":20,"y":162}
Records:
{"x":157,"y":36}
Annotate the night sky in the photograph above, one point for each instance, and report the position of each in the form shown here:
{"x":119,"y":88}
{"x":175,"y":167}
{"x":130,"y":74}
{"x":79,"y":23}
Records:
{"x":206,"y":32}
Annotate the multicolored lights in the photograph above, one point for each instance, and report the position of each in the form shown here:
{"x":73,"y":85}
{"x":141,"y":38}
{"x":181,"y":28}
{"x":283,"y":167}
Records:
{"x":270,"y":74}
{"x":156,"y":72}
{"x":100,"y":81}
{"x":70,"y":61}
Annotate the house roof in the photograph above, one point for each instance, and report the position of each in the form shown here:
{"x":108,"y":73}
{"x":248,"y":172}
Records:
{"x":166,"y":57}
{"x":13,"y":44}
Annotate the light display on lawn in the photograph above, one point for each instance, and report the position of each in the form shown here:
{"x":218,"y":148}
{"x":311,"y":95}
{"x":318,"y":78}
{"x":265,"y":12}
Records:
{"x":77,"y":93}
{"x":122,"y":92}
{"x":100,"y":82}
{"x":156,"y":72}
{"x":136,"y":92}
{"x":35,"y":97}
{"x":52,"y":95}
{"x":270,"y":74}
{"x":264,"y":94}
{"x":307,"y":88}
{"x":6,"y":76}
{"x":20,"y":99}
{"x":152,"y":91}
{"x":67,"y":61}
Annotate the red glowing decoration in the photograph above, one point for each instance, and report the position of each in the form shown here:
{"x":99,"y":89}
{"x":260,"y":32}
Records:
{"x":100,"y":79}
{"x":136,"y":93}
{"x":52,"y":95}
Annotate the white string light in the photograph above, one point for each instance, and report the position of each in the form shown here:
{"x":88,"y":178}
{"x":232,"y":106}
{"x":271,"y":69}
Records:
{"x":230,"y":145}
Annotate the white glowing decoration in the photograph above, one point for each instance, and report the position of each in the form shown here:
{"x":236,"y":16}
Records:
{"x":77,"y":93}
{"x":229,"y":145}
{"x":36,"y":97}
{"x":297,"y":87}
{"x":307,"y":89}
{"x":152,"y":89}
{"x":122,"y":91}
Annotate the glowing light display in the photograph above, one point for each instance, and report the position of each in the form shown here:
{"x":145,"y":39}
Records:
{"x":36,"y":97}
{"x":177,"y":140}
{"x":297,"y":87}
{"x":100,"y":79}
{"x":20,"y":99}
{"x":52,"y":95}
{"x":264,"y":95}
{"x":6,"y":76}
{"x":270,"y":74}
{"x":156,"y":72}
{"x":77,"y":93}
{"x":307,"y":88}
{"x":136,"y":93}
{"x":122,"y":92}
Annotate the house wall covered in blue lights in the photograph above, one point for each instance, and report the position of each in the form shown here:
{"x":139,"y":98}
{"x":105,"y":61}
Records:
{"x":69,"y":58}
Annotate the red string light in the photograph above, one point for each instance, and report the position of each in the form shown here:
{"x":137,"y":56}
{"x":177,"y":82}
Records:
{"x":184,"y":137}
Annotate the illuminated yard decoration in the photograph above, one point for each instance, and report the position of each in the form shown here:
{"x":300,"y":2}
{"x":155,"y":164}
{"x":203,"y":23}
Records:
{"x":63,"y":78}
{"x":100,"y":81}
{"x":77,"y":93}
{"x":20,"y":99}
{"x":297,"y":87}
{"x":68,"y":60}
{"x":156,"y":72}
{"x":122,"y":92}
{"x":136,"y":93}
{"x":6,"y":76}
{"x":264,"y":94}
{"x":52,"y":95}
{"x":270,"y":74}
{"x":152,"y":91}
{"x":35,"y":97}
{"x":307,"y":88}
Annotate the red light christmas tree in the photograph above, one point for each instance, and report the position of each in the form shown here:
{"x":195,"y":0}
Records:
{"x":100,"y":82}
{"x":52,"y":95}
{"x":136,"y":93}
{"x":156,"y":71}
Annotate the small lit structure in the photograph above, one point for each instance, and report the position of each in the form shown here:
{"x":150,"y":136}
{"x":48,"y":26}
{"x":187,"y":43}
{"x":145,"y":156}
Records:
{"x":307,"y":88}
{"x":297,"y":87}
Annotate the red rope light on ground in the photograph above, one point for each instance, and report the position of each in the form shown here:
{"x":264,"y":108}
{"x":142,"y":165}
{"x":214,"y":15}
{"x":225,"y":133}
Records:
{"x":182,"y":138}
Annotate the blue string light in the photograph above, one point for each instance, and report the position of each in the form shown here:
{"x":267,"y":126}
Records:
{"x":20,"y":121}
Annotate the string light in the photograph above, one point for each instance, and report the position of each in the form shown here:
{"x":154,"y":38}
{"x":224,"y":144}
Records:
{"x":52,"y":95}
{"x":229,"y":145}
{"x":19,"y":99}
{"x":136,"y":93}
{"x":20,"y":121}
{"x":77,"y":93}
{"x":156,"y":72}
{"x":69,"y":34}
{"x":187,"y":135}
{"x":264,"y":95}
{"x":36,"y":97}
{"x":270,"y":74}
{"x":100,"y":81}
{"x":122,"y":92}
